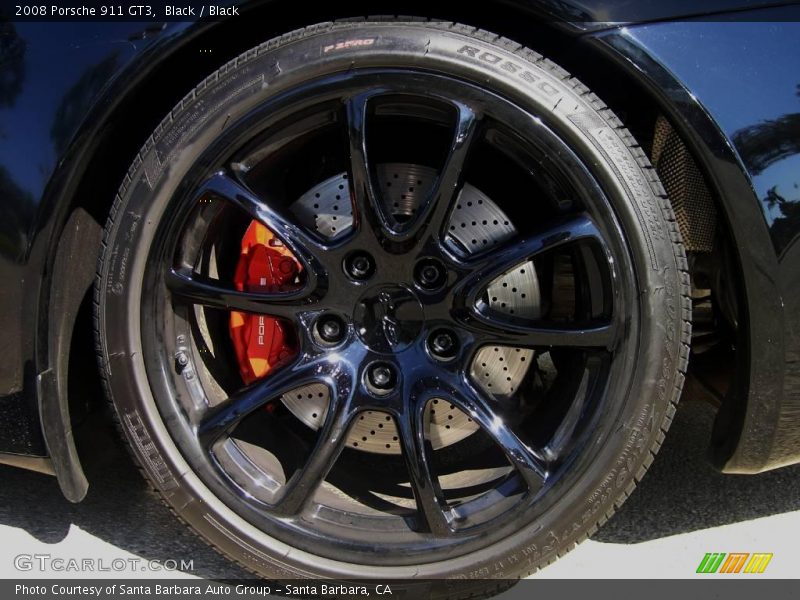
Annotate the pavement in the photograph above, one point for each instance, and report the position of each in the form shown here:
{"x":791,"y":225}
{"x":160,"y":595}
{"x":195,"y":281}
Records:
{"x":681,"y":510}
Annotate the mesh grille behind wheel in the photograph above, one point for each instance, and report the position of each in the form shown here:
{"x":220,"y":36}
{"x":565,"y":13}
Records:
{"x":692,"y":202}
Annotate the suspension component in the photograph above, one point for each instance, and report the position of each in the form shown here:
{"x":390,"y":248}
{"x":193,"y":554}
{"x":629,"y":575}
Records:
{"x":260,"y":341}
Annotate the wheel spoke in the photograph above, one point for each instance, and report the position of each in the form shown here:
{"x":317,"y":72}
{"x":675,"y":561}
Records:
{"x":520,"y":250}
{"x":305,"y":248}
{"x":224,"y":417}
{"x":369,"y":217}
{"x":494,"y":332}
{"x":495,"y":328}
{"x":417,"y":451}
{"x":565,"y":434}
{"x":451,"y":180}
{"x":330,"y":443}
{"x":531,"y":464}
{"x":198,"y":289}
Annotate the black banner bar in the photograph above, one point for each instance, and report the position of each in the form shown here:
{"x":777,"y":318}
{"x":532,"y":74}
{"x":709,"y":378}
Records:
{"x":686,"y":589}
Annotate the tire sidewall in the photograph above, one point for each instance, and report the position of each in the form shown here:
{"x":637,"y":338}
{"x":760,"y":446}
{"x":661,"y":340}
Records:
{"x":522,"y":77}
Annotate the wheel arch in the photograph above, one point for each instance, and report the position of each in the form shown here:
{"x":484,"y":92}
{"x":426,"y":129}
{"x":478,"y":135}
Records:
{"x":748,"y":421}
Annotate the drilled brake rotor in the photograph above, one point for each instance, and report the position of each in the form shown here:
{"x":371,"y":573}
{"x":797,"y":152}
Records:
{"x":475,"y":224}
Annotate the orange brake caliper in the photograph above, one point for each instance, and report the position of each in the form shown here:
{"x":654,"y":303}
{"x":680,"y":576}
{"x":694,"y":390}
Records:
{"x":265,"y":265}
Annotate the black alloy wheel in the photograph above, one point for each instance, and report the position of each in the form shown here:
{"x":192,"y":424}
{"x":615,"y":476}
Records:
{"x":471,"y":373}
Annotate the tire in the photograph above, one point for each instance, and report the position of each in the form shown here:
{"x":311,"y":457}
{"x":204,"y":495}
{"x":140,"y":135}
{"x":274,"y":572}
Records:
{"x":152,"y":371}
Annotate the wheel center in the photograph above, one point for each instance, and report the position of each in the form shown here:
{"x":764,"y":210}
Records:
{"x":389,"y":318}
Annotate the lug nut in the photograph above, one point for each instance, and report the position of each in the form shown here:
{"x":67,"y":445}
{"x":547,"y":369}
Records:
{"x":430,"y":274}
{"x":443,"y":344}
{"x":382,"y":377}
{"x":330,"y":328}
{"x":359,"y":266}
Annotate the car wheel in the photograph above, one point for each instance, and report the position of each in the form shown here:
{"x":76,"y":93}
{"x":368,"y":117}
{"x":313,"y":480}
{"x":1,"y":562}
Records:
{"x":392,"y":299}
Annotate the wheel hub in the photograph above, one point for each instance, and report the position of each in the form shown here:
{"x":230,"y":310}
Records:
{"x":388,"y":319}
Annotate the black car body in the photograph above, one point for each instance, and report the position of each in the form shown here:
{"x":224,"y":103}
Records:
{"x":718,"y":77}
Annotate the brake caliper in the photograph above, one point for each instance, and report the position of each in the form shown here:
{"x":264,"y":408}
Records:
{"x":265,"y":265}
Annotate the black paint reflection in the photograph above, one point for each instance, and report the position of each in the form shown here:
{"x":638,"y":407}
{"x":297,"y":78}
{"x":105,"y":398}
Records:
{"x":784,"y":227}
{"x":12,"y":67}
{"x":78,"y":101}
{"x":766,"y":143}
{"x":16,"y":204}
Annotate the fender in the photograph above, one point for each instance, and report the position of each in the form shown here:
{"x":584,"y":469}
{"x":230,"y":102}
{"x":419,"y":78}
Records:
{"x":744,"y":130}
{"x":63,"y":239}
